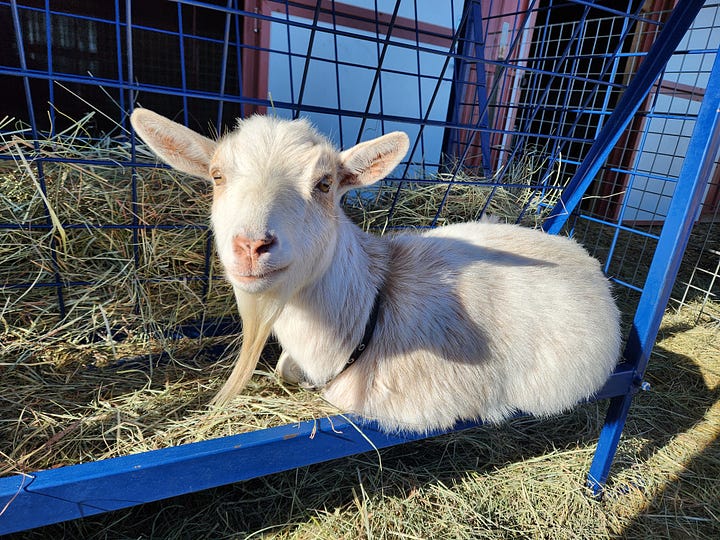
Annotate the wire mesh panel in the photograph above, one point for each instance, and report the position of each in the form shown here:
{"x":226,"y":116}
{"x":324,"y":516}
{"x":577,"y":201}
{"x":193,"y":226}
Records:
{"x":507,"y":103}
{"x":686,"y":78}
{"x":637,"y":183}
{"x":503,"y":134}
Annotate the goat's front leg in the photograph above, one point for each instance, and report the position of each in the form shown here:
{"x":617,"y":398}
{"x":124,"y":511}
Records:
{"x":288,"y":370}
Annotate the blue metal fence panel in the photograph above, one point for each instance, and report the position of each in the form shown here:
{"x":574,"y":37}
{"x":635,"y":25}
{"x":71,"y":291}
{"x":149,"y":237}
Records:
{"x":552,"y":87}
{"x":687,"y":197}
{"x":673,"y":31}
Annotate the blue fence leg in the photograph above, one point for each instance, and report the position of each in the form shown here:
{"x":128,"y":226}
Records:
{"x":685,"y":206}
{"x":608,"y":442}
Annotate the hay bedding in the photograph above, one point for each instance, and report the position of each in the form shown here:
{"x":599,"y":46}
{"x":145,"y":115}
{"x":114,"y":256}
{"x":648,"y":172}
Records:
{"x":106,"y":380}
{"x":523,"y":479}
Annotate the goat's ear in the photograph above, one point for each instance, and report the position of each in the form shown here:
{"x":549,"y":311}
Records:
{"x":369,"y":161}
{"x":176,"y":145}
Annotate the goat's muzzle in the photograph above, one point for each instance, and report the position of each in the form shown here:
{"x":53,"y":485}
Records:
{"x":253,"y":263}
{"x":249,"y":250}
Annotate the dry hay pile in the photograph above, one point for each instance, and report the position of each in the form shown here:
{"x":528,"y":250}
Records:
{"x":135,"y":264}
{"x":110,"y":378}
{"x":523,"y":479}
{"x":524,"y":191}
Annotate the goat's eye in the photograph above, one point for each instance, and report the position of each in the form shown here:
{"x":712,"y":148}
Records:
{"x":218,"y":178}
{"x":324,"y":184}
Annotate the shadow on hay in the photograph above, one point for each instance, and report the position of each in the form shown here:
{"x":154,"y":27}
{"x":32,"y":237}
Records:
{"x":687,"y":502}
{"x":686,"y":507}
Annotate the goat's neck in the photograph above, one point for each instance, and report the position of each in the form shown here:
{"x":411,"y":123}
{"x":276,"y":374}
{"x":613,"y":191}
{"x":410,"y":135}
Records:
{"x":347,"y":288}
{"x":323,"y":322}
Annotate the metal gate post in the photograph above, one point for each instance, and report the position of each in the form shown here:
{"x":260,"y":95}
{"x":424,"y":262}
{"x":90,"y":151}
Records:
{"x":684,"y":210}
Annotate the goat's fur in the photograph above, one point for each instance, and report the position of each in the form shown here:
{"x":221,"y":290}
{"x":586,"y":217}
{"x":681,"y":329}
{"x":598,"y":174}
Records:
{"x":478,"y":320}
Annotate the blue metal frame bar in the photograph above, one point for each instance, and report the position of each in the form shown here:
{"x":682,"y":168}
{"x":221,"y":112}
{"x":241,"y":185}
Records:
{"x":134,"y":203}
{"x":183,"y":70}
{"x":377,"y":77}
{"x":473,"y":39}
{"x":418,"y":71}
{"x":48,"y":48}
{"x":76,"y":491}
{"x":86,"y":283}
{"x":338,"y":93}
{"x":223,"y":67}
{"x":119,"y":58}
{"x":684,"y":209}
{"x":308,"y":57}
{"x":38,"y":165}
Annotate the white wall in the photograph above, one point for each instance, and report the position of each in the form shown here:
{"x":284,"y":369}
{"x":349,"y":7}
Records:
{"x":406,"y":93}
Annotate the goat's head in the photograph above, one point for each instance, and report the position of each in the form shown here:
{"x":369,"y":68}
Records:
{"x":277,"y":187}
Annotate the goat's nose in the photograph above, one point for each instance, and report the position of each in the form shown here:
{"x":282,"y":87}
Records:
{"x":250,"y":248}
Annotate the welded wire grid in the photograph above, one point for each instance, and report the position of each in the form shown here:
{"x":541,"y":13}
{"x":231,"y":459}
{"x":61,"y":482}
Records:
{"x":630,"y":202}
{"x":505,"y":100}
{"x":699,"y":279}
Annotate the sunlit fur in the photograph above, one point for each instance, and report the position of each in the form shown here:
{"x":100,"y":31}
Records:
{"x":478,"y":320}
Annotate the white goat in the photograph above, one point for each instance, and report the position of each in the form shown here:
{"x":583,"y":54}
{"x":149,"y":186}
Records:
{"x":471,"y":321}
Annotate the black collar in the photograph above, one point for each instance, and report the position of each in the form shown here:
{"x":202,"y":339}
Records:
{"x":367,"y":336}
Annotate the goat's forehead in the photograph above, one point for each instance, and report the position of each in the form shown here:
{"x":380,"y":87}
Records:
{"x":266,"y":146}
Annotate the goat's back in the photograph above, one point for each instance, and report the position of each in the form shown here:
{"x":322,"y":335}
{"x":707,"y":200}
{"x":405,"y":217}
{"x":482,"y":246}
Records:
{"x":481,"y":320}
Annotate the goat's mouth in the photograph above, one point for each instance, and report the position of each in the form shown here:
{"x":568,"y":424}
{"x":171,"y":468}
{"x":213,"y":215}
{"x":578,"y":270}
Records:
{"x":250,"y":278}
